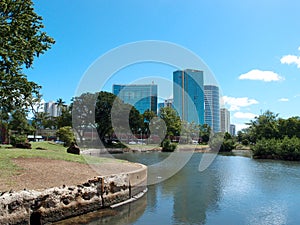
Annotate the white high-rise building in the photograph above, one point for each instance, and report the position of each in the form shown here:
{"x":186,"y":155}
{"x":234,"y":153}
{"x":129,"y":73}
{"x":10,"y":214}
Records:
{"x":225,"y":120}
{"x":51,"y":108}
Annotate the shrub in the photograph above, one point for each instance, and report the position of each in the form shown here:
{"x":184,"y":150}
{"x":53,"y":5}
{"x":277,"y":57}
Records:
{"x":266,"y":148}
{"x":289,"y":149}
{"x":227,"y":145}
{"x":17,"y":139}
{"x":245,"y":142}
{"x":66,"y":135}
{"x":167,"y":146}
{"x":286,"y":149}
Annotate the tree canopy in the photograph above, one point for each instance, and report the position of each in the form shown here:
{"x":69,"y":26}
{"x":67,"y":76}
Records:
{"x":268,"y":126}
{"x":22,"y":39}
{"x":172,"y":121}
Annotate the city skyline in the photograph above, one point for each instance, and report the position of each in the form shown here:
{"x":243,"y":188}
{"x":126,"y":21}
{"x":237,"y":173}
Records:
{"x":252,"y":47}
{"x":190,"y":94}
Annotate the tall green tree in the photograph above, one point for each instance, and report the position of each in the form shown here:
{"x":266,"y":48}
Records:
{"x":289,"y":127}
{"x":204,"y":132}
{"x":136,"y":122}
{"x":19,"y":122}
{"x":60,"y":105}
{"x":147,"y":117}
{"x":126,"y":118}
{"x":40,"y":120}
{"x":83,"y":114}
{"x":172,"y":121}
{"x":104,"y":105}
{"x":264,"y":126}
{"x":65,"y":119}
{"x":22,"y":40}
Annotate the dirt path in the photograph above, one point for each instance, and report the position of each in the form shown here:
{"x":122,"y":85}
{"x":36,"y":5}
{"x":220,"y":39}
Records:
{"x":38,"y":173}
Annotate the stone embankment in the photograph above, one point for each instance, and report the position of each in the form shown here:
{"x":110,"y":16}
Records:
{"x":55,"y":204}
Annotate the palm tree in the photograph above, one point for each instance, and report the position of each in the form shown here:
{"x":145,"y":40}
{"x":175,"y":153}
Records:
{"x":60,"y":104}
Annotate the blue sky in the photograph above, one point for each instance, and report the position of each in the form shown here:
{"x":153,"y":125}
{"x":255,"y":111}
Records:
{"x":252,"y":47}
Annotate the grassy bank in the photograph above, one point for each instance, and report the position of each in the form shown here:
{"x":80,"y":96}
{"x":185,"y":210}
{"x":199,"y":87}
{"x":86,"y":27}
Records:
{"x":48,"y":150}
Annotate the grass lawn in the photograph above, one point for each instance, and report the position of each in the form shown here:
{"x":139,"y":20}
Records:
{"x":50,"y":150}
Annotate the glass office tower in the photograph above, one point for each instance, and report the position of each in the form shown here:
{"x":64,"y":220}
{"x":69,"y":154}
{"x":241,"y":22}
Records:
{"x":188,"y":93}
{"x":212,"y":107}
{"x":141,"y":96}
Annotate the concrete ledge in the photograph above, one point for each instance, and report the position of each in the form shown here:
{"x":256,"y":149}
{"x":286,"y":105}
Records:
{"x":55,"y":204}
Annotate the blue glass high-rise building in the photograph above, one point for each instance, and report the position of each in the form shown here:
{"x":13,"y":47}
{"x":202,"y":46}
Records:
{"x":142,"y":96}
{"x":212,"y":107}
{"x":188,"y":94}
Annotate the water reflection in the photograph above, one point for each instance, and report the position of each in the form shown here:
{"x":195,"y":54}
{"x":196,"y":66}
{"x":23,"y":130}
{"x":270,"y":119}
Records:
{"x":194,"y":194}
{"x":233,"y":190}
{"x":185,"y":197}
{"x":126,"y":214}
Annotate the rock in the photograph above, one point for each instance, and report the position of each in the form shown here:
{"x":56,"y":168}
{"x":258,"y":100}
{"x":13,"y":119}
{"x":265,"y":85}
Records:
{"x":73,"y":149}
{"x":23,"y":145}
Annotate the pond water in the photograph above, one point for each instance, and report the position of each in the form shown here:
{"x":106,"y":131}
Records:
{"x":232,"y":190}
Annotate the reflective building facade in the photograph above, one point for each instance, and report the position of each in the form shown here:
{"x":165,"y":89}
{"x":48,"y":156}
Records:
{"x":188,"y":94}
{"x":141,"y":96}
{"x":212,"y":107}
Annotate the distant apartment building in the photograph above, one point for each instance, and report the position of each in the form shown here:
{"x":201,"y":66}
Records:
{"x":189,"y":95}
{"x":165,"y":103}
{"x":52,"y":109}
{"x":142,"y":96}
{"x":232,"y":129}
{"x":212,"y":107}
{"x":225,"y":120}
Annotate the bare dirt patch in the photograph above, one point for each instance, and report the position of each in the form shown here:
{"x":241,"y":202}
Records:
{"x":40,"y":173}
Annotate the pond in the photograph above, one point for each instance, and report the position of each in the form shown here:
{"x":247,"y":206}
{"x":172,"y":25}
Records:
{"x":232,"y":190}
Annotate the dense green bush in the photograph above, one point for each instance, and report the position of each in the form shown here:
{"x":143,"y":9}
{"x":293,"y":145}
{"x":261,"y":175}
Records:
{"x":167,"y":146}
{"x":227,"y":145}
{"x":245,"y":142}
{"x":285,"y":149}
{"x":17,"y":139}
{"x":66,"y":135}
{"x":289,"y":149}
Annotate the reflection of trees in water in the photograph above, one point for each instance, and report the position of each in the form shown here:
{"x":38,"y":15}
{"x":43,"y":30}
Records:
{"x":194,"y":192}
{"x":152,"y":201}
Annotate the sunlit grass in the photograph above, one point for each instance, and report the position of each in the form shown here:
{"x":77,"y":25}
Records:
{"x":50,"y":150}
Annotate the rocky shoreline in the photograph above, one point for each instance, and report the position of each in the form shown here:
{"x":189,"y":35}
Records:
{"x":58,"y":203}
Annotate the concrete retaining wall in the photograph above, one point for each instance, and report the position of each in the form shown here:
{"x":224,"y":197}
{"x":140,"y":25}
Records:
{"x":54,"y":204}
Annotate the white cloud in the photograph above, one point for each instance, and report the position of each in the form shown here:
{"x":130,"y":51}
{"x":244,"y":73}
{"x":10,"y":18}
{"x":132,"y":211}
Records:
{"x":240,"y":126}
{"x":266,"y":76}
{"x":236,"y":103}
{"x":291,"y":59}
{"x":283,"y":99}
{"x":241,"y":115}
{"x":299,"y":48}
